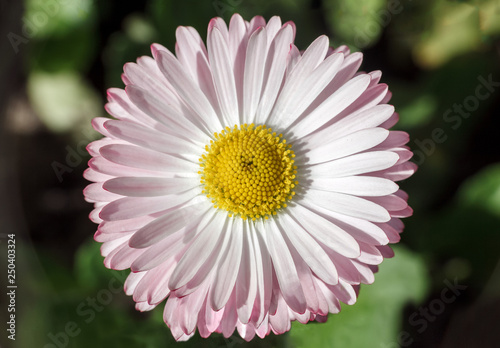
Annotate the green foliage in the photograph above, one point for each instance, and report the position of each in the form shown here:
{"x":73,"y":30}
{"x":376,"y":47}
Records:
{"x":64,"y":100}
{"x":376,"y":317}
{"x":432,"y":54}
{"x":62,"y":34}
{"x":483,"y":191}
{"x":358,"y":23}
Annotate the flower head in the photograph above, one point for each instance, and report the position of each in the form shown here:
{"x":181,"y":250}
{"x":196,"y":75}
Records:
{"x":247,"y":183}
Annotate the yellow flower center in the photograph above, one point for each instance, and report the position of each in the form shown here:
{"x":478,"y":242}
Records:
{"x":248,"y":171}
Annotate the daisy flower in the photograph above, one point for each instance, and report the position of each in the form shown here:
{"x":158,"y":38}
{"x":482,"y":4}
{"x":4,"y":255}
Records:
{"x":247,"y":182}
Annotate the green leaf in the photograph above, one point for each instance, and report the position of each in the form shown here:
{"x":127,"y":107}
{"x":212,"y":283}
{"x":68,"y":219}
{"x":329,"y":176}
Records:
{"x":61,"y":34}
{"x":376,"y":317}
{"x":455,"y":31}
{"x":482,"y":191}
{"x":358,"y":23}
{"x":46,"y":18}
{"x":64,"y":101}
{"x":89,"y":269}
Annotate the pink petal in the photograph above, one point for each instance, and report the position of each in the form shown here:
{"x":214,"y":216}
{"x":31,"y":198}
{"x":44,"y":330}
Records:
{"x":149,"y":186}
{"x":187,"y":89}
{"x":138,"y":157}
{"x":132,"y":207}
{"x":201,"y":248}
{"x":223,"y":77}
{"x":324,"y":231}
{"x":283,"y":265}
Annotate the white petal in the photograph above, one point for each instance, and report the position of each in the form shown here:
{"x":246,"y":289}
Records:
{"x":95,"y":193}
{"x":275,"y":70}
{"x":312,"y":57}
{"x":148,"y":286}
{"x":286,"y":272}
{"x":221,"y":25}
{"x":299,"y":91}
{"x":331,"y":107}
{"x":255,"y":23}
{"x":238,"y":39}
{"x":229,"y":320}
{"x":309,"y":250}
{"x":349,"y":67}
{"x":160,"y":252}
{"x":370,"y":254}
{"x":170,"y":222}
{"x":223,"y":76}
{"x":98,"y":125}
{"x":192,"y":54}
{"x":187,"y":89}
{"x":94,"y":147}
{"x":153,"y":82}
{"x":306,"y":282}
{"x":122,"y":258}
{"x":94,"y":176}
{"x":174,"y":120}
{"x":324,"y":231}
{"x":398,"y":172}
{"x":357,"y":121}
{"x":198,"y":252}
{"x":348,"y":205}
{"x":272,"y":27}
{"x":138,"y":157}
{"x":132,"y":280}
{"x":123,"y":108}
{"x":344,"y":292}
{"x":237,"y":33}
{"x":370,"y":98}
{"x":246,"y":285}
{"x":355,"y":185}
{"x":264,"y":274}
{"x":111,"y":169}
{"x":149,"y":187}
{"x":355,"y":164}
{"x":254,"y":73}
{"x":292,"y":59}
{"x":390,"y":202}
{"x":149,"y":138}
{"x":125,"y":226}
{"x":366,"y":275}
{"x":347,"y":145}
{"x":132,"y":207}
{"x":228,"y":267}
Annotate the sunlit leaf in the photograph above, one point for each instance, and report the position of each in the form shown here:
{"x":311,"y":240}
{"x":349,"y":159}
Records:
{"x":89,"y":268}
{"x":64,"y":101}
{"x":45,"y":18}
{"x":376,"y":318}
{"x":418,"y":112}
{"x":358,"y":23}
{"x":482,"y":191}
{"x":455,"y":31}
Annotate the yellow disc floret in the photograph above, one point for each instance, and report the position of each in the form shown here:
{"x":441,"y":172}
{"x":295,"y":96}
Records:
{"x":248,"y":171}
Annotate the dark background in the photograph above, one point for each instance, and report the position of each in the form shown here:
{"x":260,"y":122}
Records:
{"x":58,"y":57}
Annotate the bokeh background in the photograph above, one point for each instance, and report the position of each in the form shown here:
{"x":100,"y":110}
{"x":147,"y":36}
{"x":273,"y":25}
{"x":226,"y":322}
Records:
{"x":441,"y":60}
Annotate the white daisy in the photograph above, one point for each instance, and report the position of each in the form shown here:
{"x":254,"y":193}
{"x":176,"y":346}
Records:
{"x":248,"y":183}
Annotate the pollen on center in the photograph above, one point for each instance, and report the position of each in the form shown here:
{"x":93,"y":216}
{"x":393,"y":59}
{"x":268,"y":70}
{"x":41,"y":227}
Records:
{"x":248,"y":171}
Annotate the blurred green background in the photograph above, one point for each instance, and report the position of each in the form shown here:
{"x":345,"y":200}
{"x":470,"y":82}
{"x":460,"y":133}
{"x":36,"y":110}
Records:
{"x":441,"y":60}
